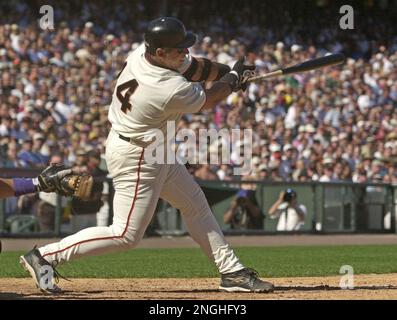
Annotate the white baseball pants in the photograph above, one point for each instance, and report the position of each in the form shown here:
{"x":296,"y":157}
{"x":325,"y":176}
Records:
{"x":138,"y":185}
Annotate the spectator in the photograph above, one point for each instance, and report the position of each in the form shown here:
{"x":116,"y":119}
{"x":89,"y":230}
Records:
{"x":26,"y":155}
{"x":84,"y":212}
{"x":244,"y":212}
{"x":290,"y":214}
{"x":204,"y":172}
{"x":11,"y":160}
{"x":50,"y":83}
{"x":287,"y":163}
{"x":40,"y":159}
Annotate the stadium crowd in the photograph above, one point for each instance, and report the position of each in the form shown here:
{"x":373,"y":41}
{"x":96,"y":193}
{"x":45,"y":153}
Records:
{"x":337,"y":124}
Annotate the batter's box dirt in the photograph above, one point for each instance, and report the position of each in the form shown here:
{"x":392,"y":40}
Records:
{"x":327,"y":288}
{"x":373,"y":286}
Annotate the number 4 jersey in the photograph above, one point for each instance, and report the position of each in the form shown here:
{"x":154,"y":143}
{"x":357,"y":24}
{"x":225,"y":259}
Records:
{"x":146,"y":96}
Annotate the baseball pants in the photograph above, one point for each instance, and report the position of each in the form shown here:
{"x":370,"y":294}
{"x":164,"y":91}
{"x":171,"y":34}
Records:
{"x":138,"y":186}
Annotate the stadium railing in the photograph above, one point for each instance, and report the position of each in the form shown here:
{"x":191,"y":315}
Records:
{"x":341,"y":207}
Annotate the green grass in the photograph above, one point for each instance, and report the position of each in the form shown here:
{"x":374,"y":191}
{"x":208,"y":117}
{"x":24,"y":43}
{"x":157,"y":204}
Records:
{"x":187,"y":263}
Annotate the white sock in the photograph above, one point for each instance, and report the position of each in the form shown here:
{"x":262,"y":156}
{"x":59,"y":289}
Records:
{"x":226,"y":261}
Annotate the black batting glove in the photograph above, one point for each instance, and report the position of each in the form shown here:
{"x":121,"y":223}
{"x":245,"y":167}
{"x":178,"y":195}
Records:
{"x":244,"y":80}
{"x":244,"y":72}
{"x":237,"y":78}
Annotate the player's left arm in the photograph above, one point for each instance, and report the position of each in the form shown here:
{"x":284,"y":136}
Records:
{"x":202,"y":69}
{"x":6,"y":188}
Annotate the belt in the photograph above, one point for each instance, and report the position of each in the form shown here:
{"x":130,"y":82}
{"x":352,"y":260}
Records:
{"x":124,"y":138}
{"x":135,"y":142}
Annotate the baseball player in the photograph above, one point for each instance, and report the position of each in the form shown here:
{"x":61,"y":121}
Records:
{"x":159,"y":83}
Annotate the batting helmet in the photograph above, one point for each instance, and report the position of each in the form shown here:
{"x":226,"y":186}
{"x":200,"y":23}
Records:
{"x":167,"y":32}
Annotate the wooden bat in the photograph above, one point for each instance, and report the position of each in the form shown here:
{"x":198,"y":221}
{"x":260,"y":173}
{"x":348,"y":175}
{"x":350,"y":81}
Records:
{"x":326,"y":61}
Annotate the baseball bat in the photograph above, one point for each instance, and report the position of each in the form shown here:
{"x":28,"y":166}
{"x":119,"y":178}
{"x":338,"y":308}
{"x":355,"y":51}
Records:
{"x":326,"y":61}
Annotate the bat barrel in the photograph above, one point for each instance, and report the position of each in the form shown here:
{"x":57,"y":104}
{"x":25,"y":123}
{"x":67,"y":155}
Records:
{"x":326,"y":61}
{"x":313,"y":64}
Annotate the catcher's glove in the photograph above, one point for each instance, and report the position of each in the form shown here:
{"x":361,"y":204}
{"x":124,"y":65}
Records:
{"x":56,"y":178}
{"x":76,"y":185}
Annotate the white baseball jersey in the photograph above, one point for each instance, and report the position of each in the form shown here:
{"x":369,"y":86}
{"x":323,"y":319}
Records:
{"x":155,"y":95}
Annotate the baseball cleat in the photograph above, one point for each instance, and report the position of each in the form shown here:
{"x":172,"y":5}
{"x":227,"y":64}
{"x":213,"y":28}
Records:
{"x":42,"y":272}
{"x":245,"y":280}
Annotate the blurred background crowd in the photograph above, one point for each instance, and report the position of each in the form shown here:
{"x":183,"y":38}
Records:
{"x":337,"y":124}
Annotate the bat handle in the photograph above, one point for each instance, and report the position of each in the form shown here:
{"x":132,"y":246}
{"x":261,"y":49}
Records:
{"x":266,"y":76}
{"x":248,"y":74}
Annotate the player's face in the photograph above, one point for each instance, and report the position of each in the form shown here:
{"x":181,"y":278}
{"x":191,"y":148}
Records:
{"x":174,"y":58}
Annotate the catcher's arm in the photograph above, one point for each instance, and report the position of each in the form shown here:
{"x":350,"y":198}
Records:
{"x":55,"y":178}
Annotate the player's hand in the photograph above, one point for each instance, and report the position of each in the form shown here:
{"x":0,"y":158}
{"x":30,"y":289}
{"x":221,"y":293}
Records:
{"x":244,"y":72}
{"x":244,"y":80}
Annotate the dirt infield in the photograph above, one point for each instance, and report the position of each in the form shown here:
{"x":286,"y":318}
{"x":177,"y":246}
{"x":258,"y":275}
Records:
{"x":313,"y":288}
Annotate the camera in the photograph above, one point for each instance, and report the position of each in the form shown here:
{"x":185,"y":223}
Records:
{"x":289,"y":194}
{"x":241,"y":201}
{"x":243,"y":196}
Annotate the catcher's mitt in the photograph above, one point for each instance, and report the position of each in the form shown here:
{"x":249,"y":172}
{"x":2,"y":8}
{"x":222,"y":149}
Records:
{"x":76,"y":185}
{"x":56,"y":178}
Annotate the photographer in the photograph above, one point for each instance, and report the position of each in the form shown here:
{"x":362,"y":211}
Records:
{"x":244,"y":212}
{"x":291,"y":215}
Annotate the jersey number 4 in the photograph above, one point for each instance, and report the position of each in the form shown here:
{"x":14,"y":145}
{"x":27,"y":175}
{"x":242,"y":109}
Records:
{"x":130,"y":86}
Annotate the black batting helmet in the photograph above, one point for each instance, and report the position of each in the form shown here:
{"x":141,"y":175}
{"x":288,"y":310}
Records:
{"x":167,"y":32}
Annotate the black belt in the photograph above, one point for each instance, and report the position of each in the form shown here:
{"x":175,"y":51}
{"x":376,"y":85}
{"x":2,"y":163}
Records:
{"x":124,"y":138}
{"x":135,"y":142}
